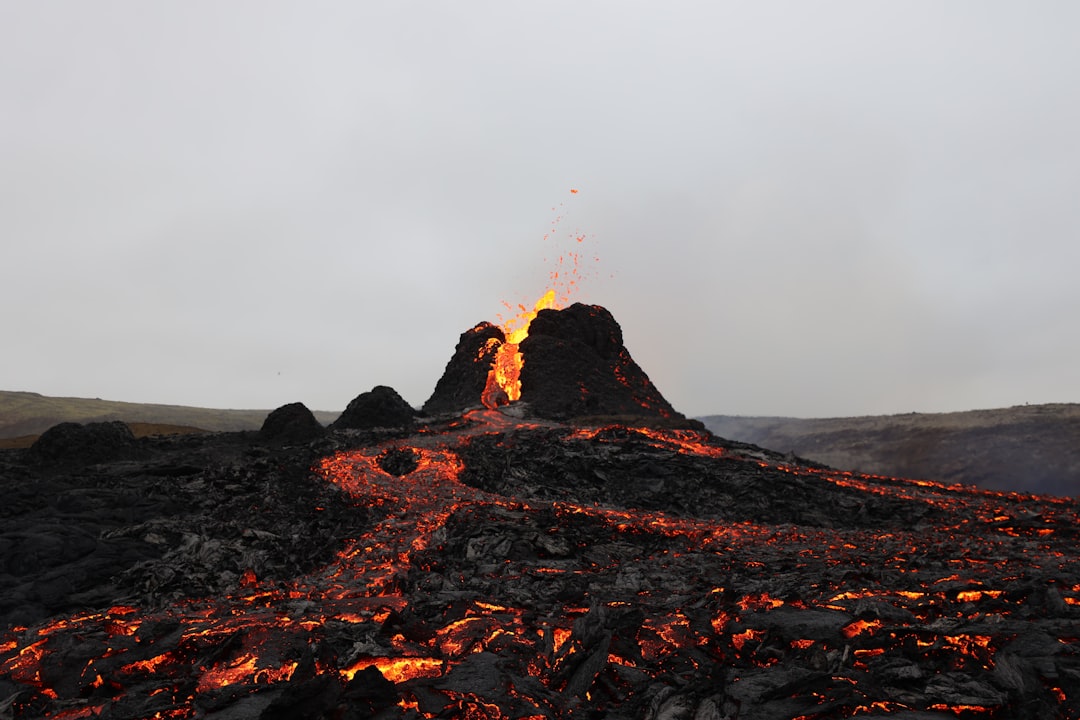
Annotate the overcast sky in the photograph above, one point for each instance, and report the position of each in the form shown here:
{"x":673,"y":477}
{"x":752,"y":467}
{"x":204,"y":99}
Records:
{"x":798,"y":208}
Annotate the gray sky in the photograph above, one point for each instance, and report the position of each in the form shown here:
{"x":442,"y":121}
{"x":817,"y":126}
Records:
{"x":799,"y":208}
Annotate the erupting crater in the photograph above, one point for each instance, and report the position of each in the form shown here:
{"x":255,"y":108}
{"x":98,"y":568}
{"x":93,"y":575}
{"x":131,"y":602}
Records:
{"x":563,"y":363}
{"x":473,"y":565}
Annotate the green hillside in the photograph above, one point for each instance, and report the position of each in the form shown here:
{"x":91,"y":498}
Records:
{"x":28,"y":413}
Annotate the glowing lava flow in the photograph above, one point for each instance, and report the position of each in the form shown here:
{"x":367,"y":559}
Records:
{"x":504,"y":378}
{"x":689,"y":595}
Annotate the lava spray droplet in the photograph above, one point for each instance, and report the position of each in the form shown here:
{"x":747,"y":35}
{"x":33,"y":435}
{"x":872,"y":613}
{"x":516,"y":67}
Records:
{"x":564,"y":282}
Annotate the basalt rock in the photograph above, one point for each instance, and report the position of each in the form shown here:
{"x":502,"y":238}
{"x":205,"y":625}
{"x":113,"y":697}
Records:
{"x":575,"y":364}
{"x":463,"y":381}
{"x":381,"y":407}
{"x":291,"y":423}
{"x":398,"y":461}
{"x":485,"y":569}
{"x":176,"y":516}
{"x":83,"y":444}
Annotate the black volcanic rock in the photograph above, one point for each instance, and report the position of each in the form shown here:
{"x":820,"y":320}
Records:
{"x":381,"y":407}
{"x":291,"y":423}
{"x":547,"y":460}
{"x":399,"y":461}
{"x":175,"y":515}
{"x":526,"y":570}
{"x":575,"y":364}
{"x":84,"y":444}
{"x":462,"y":382}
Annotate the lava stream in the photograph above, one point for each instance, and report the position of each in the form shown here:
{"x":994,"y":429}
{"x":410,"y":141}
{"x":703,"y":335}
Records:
{"x":272,"y":632}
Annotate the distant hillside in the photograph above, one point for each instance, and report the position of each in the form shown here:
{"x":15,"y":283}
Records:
{"x":28,"y":414}
{"x":1026,"y":448}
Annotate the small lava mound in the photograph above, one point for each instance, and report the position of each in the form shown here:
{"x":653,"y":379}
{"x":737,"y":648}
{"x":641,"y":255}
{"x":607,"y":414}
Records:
{"x":380,"y":407}
{"x":291,"y":423}
{"x":74,"y":443}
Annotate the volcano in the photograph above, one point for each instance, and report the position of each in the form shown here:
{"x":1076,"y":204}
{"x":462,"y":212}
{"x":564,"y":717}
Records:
{"x":570,"y":363}
{"x":543,"y":541}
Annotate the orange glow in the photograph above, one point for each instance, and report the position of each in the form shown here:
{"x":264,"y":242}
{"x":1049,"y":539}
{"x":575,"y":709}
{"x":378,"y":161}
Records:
{"x":961,"y":708}
{"x":740,"y":639}
{"x":858,"y":627}
{"x":25,"y":666}
{"x":353,"y":618}
{"x":121,"y":627}
{"x":457,"y":638}
{"x":559,"y":637}
{"x":241,"y":670}
{"x":671,"y":632}
{"x":470,"y":707}
{"x":869,"y":652}
{"x":977,"y":595}
{"x":761,"y":601}
{"x":399,"y":669}
{"x":977,"y":646}
{"x":178,"y":713}
{"x":516,"y":328}
{"x":148,"y":666}
{"x":504,"y":378}
{"x":82,"y":712}
{"x":882,"y":705}
{"x":121,"y":610}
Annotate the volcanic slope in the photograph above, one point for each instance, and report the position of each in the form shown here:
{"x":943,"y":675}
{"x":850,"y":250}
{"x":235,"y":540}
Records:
{"x":485,"y":567}
{"x":1028,"y":448}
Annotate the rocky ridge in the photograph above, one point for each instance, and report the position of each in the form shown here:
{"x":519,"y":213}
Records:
{"x":1028,"y":448}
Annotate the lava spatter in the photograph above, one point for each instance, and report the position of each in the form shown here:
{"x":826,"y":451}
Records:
{"x":504,"y":379}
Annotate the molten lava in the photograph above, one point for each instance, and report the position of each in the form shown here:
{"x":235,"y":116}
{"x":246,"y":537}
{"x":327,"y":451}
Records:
{"x":588,"y":645}
{"x":504,"y":378}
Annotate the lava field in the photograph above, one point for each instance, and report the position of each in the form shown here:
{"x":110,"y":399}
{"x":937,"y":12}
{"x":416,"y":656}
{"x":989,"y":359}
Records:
{"x":492,"y":563}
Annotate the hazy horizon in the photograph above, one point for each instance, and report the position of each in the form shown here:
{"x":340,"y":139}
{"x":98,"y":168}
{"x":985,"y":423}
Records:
{"x":417,"y":406}
{"x":823,"y":210}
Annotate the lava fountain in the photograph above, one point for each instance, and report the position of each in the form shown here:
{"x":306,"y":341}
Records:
{"x":504,"y":378}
